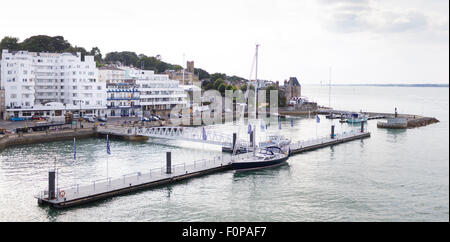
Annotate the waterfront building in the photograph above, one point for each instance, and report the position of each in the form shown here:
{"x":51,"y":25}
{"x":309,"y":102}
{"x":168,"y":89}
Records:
{"x":122,"y":93}
{"x":33,"y":79}
{"x":157,"y":91}
{"x":111,"y":74}
{"x":292,"y":89}
{"x":123,"y":99}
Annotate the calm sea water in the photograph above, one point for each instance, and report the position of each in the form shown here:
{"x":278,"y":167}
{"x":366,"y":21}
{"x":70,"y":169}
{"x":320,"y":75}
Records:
{"x":400,"y":175}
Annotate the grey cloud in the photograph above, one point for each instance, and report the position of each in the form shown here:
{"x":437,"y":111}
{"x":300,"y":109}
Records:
{"x":348,"y":16}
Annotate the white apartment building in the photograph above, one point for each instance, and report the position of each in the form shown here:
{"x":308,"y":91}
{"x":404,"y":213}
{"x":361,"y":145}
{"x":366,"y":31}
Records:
{"x":123,"y":99}
{"x":157,"y":91}
{"x":111,"y":74}
{"x":31,"y":80}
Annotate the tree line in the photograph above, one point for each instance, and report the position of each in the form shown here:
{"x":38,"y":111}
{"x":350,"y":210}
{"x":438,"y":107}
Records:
{"x":57,"y":44}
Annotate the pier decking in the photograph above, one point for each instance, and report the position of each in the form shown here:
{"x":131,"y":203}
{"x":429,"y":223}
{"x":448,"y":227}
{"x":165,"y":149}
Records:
{"x":302,"y":146}
{"x":109,"y":187}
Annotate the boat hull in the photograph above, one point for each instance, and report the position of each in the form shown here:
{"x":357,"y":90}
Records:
{"x":244,"y":166}
{"x":357,"y":120}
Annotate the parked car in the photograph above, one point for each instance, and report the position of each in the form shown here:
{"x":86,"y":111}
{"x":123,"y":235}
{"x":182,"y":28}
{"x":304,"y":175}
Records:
{"x":87,"y":117}
{"x":37,"y":117}
{"x":90,"y":119}
{"x":154,"y":118}
{"x":102,"y":119}
{"x":17,"y":119}
{"x":145,"y":119}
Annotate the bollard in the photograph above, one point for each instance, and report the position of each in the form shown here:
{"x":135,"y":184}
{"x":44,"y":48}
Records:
{"x":51,"y":185}
{"x":234,"y":141}
{"x":362,"y":127}
{"x":168,"y":162}
{"x":332,"y":131}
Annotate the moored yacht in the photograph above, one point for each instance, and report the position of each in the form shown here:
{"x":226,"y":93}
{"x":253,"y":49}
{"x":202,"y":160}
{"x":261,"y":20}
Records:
{"x":263,"y":158}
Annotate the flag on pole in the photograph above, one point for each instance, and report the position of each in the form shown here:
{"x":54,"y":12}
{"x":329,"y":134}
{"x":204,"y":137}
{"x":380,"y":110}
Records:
{"x":249,"y":129}
{"x":279,"y":123}
{"x":74,"y":149}
{"x":204,"y":134}
{"x":108,"y":149}
{"x":292,"y":122}
{"x":317,"y":118}
{"x":262,"y":125}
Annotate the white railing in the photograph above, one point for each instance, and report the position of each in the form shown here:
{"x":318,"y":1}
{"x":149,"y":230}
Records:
{"x":325,"y":139}
{"x":102,"y":185}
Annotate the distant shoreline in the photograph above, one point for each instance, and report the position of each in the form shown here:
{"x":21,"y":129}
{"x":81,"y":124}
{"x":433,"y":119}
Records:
{"x":386,"y":85}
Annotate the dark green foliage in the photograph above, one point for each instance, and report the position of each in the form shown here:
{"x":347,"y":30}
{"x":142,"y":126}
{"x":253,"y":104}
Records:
{"x":10,"y":43}
{"x":217,"y":83}
{"x":125,"y":57}
{"x":216,"y":76}
{"x":95,"y":51}
{"x":222,"y":87}
{"x":244,"y":88}
{"x":202,"y":74}
{"x":44,"y":43}
{"x":208,"y":85}
{"x":235,"y":78}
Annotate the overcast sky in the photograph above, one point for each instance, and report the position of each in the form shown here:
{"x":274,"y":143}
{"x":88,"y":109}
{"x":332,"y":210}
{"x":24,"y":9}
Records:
{"x":365,"y":41}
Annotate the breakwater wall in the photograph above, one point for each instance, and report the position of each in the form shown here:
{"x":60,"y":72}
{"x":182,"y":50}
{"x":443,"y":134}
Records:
{"x":45,"y":136}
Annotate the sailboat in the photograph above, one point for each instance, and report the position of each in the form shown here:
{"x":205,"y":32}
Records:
{"x":262,"y":157}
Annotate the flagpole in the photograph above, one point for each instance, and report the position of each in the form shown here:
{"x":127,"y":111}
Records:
{"x":107,"y":154}
{"x":75,"y":159}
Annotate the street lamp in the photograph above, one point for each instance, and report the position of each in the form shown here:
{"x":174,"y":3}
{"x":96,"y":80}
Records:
{"x":79,"y":112}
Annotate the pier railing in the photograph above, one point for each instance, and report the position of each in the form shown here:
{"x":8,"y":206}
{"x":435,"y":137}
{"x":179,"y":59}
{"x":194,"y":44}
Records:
{"x":71,"y":192}
{"x":325,"y":139}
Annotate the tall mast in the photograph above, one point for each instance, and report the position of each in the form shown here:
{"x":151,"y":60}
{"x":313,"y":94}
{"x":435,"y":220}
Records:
{"x":256,"y":78}
{"x":256,"y":94}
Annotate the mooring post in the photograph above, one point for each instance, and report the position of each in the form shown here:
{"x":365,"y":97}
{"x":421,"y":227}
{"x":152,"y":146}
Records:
{"x":234,"y":141}
{"x":51,"y":184}
{"x":395,"y":114}
{"x":362,"y":127}
{"x":168,"y":162}
{"x":332,"y":131}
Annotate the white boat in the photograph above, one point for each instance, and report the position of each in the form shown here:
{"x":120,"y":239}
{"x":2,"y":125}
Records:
{"x":269,"y":156}
{"x":263,"y":158}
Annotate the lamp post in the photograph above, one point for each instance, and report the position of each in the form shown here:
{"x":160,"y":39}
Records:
{"x":79,"y":113}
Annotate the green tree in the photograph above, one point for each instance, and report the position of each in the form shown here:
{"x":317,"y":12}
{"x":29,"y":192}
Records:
{"x":202,"y":74}
{"x":95,"y":51}
{"x":216,"y":76}
{"x":208,"y":86}
{"x":9,"y":43}
{"x":222,"y":87}
{"x":125,"y":57}
{"x":244,"y":88}
{"x":42,"y":43}
{"x":218,"y":82}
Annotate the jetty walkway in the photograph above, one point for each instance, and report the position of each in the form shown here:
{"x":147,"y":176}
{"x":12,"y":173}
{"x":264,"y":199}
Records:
{"x":73,"y":195}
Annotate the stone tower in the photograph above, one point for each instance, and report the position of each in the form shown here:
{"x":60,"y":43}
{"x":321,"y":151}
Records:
{"x":190,"y":66}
